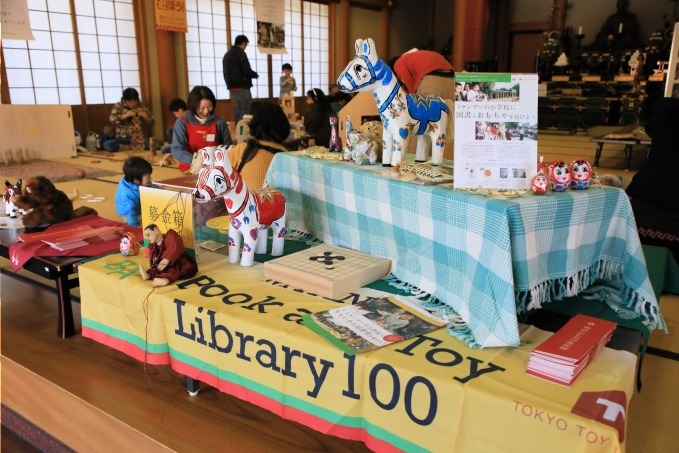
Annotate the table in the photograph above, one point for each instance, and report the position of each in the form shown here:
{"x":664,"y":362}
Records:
{"x":56,"y":268}
{"x":627,"y":142}
{"x":233,"y":330}
{"x":483,"y":258}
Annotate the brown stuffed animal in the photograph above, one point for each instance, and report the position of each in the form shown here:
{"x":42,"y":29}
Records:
{"x":45,"y":204}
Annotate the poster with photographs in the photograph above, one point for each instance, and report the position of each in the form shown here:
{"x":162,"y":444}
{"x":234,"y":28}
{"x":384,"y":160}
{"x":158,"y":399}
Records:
{"x":496,"y":130}
{"x":270,"y":16}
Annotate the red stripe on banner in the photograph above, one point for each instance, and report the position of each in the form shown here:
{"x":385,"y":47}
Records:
{"x":126,"y":347}
{"x":283,"y":411}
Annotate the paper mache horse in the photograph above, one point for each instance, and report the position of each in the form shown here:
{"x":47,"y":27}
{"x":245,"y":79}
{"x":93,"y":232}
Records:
{"x":252,"y":213}
{"x":403,"y":114}
{"x":8,"y":197}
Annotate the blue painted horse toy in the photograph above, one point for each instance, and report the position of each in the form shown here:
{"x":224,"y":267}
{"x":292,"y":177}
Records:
{"x":402,"y":114}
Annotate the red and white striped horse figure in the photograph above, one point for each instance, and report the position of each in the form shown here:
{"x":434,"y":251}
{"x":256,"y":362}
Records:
{"x":251,"y":212}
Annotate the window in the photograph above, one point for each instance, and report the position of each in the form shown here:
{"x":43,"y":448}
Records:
{"x":243,"y":23}
{"x":316,"y":52}
{"x":293,"y":44}
{"x":45,"y":71}
{"x":108,"y":48}
{"x":206,"y":44}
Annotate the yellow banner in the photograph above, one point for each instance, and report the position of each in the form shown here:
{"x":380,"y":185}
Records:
{"x":170,"y":15}
{"x":232,"y":329}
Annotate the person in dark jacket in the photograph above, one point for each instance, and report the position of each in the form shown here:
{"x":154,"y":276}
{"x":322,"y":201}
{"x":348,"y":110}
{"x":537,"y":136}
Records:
{"x":238,"y":76}
{"x":317,"y":116}
{"x":653,"y":189}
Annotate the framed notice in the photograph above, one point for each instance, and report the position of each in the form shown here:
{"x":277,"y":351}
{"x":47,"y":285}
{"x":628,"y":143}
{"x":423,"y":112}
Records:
{"x":496,"y":131}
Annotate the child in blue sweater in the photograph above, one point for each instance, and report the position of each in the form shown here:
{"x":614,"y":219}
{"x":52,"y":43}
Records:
{"x":128,"y":203}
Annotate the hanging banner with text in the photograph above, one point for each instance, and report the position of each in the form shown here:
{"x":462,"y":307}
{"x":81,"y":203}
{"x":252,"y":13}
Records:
{"x":496,"y":130}
{"x":270,"y":15}
{"x":170,"y":15}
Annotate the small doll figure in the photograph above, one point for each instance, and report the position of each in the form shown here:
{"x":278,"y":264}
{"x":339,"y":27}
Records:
{"x":540,"y":183}
{"x":167,"y":260}
{"x":581,"y":173}
{"x":11,"y":190}
{"x":559,"y":175}
{"x":129,"y":245}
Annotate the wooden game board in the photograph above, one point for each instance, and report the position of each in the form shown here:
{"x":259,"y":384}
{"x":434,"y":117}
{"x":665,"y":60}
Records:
{"x":327,"y":270}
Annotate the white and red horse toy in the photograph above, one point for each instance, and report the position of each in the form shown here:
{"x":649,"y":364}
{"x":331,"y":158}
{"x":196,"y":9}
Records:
{"x":402,"y":114}
{"x":8,"y":197}
{"x":252,"y":213}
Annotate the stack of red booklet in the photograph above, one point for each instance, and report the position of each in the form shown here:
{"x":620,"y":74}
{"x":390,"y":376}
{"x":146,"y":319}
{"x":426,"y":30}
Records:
{"x":564,"y":355}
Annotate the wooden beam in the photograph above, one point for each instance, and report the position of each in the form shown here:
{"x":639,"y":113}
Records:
{"x":343,"y":48}
{"x":384,"y":32}
{"x":458,"y":35}
{"x":167,"y":76}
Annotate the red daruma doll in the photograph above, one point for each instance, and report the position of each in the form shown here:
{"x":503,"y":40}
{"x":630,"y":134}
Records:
{"x":559,"y":175}
{"x":581,"y":173}
{"x":540,"y":183}
{"x":128,"y":244}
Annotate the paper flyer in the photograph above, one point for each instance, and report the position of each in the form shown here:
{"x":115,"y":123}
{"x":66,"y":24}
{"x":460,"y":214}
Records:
{"x":496,"y":130}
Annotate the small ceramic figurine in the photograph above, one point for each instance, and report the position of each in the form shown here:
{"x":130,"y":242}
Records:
{"x":128,"y":244}
{"x":559,"y":175}
{"x":360,"y":148}
{"x":335,"y":142}
{"x":540,"y":183}
{"x":581,"y":173}
{"x":11,"y":190}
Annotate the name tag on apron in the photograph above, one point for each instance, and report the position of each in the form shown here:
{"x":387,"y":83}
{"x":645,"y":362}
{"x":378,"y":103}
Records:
{"x":209,"y":137}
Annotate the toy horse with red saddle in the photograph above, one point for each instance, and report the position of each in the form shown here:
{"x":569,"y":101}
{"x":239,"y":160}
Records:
{"x":252,"y":213}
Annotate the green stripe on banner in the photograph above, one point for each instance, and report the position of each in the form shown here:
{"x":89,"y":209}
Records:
{"x":482,"y":77}
{"x":294,"y":402}
{"x":126,"y":336}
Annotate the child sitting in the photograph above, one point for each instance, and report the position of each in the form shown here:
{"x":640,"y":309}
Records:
{"x":128,"y":203}
{"x":178,"y":107}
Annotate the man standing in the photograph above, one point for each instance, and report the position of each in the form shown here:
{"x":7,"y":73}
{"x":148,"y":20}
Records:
{"x":238,"y":76}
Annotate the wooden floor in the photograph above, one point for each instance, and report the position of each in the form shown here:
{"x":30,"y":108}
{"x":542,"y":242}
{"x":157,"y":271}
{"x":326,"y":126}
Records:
{"x":93,"y":398}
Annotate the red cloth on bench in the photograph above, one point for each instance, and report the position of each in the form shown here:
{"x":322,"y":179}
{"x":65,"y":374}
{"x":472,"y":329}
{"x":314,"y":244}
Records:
{"x":21,"y":252}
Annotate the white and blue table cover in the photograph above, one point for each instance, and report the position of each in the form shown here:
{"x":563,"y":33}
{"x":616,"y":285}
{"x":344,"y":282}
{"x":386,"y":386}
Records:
{"x":487,"y":258}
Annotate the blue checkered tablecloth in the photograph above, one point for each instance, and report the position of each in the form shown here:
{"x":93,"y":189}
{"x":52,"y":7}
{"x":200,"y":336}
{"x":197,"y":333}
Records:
{"x":486,"y":258}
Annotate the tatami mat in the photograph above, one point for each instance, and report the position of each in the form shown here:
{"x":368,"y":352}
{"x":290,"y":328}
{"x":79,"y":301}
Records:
{"x":651,"y":415}
{"x":89,"y":191}
{"x":669,"y":307}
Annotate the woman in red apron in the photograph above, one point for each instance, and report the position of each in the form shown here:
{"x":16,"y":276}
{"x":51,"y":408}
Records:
{"x":198,"y":128}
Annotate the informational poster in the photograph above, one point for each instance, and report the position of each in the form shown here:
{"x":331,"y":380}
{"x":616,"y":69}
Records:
{"x":14,"y":20}
{"x":171,"y":15}
{"x":270,"y":15}
{"x":496,"y":130}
